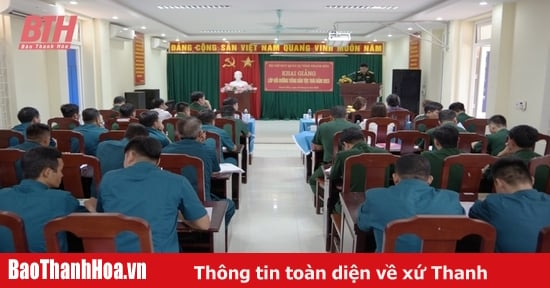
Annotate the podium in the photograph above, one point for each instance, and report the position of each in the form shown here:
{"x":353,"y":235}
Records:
{"x":349,"y":91}
{"x":244,"y":100}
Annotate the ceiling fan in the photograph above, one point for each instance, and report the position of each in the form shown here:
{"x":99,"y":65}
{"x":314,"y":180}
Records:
{"x":280,"y":28}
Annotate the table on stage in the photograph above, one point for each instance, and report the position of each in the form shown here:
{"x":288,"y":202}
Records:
{"x":305,"y":124}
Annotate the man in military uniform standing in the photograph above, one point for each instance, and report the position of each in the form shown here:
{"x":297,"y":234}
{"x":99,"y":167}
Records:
{"x":364,"y":75}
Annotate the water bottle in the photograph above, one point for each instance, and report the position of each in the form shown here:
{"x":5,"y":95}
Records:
{"x":408,"y":125}
{"x":246,"y":116}
{"x":308,"y":113}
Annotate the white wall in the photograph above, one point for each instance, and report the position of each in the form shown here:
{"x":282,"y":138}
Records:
{"x":395,"y":57}
{"x":431,"y":64}
{"x":155,"y":69}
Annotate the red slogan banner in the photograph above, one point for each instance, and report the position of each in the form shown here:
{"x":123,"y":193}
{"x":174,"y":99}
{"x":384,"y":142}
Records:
{"x":298,"y":76}
{"x":273,"y":270}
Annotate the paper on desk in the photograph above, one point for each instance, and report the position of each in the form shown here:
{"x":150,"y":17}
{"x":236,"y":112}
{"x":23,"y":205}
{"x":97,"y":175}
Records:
{"x":209,"y":211}
{"x":229,"y":168}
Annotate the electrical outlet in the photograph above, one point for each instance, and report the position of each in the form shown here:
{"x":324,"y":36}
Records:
{"x":521,"y":105}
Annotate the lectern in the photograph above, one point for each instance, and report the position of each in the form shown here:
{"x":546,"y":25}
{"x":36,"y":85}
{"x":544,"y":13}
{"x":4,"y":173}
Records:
{"x":349,"y":91}
{"x":244,"y":100}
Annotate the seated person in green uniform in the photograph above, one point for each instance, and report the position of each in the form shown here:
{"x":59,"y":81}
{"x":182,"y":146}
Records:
{"x":38,"y":134}
{"x":460,"y":111}
{"x":192,"y":144}
{"x":232,"y":102}
{"x":517,"y":211}
{"x":150,"y":119}
{"x":431,"y":111}
{"x":412,"y":195}
{"x":111,"y":152}
{"x":90,"y":131}
{"x":446,"y":118}
{"x":182,"y":110}
{"x":497,"y":139}
{"x":322,"y":140}
{"x":199,"y":102}
{"x":70,"y":111}
{"x":363,"y":75}
{"x":228,"y":112}
{"x":36,"y":200}
{"x":117,"y":102}
{"x":27,"y":116}
{"x":445,"y":144}
{"x":207,"y":119}
{"x":127,"y":111}
{"x":353,"y":143}
{"x":143,"y":190}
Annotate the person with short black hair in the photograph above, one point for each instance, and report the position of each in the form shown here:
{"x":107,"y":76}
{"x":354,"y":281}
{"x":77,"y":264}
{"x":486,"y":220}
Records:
{"x":192,"y":144}
{"x":70,"y":110}
{"x":446,"y":118}
{"x":150,"y":119}
{"x":431,"y":111}
{"x":199,"y":102}
{"x":111,"y":152}
{"x":410,"y":196}
{"x":160,"y":107}
{"x":27,"y":116}
{"x":207,"y":118}
{"x":322,"y":140}
{"x":90,"y":131}
{"x":445,"y":144}
{"x":377,"y":110}
{"x":460,"y":111}
{"x":36,"y":199}
{"x":117,"y":102}
{"x":394,"y":103}
{"x":363,"y":75}
{"x":143,"y":190}
{"x":127,"y":113}
{"x":38,"y":134}
{"x":516,"y":210}
{"x":231,"y":101}
{"x":228,"y":112}
{"x":497,"y":139}
{"x":182,"y":110}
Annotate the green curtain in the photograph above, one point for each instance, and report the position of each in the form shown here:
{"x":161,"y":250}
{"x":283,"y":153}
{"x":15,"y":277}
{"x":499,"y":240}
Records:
{"x":292,"y":105}
{"x":193,"y":72}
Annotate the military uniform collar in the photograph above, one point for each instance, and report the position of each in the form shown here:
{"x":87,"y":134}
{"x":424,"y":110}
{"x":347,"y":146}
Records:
{"x":32,"y":185}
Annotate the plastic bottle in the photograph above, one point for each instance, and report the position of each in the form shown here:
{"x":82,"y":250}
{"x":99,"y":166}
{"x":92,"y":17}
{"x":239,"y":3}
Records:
{"x":309,"y":113}
{"x":246,"y":116}
{"x":408,"y":125}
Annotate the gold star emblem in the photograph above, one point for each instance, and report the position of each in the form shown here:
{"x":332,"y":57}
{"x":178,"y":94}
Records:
{"x":247,"y":62}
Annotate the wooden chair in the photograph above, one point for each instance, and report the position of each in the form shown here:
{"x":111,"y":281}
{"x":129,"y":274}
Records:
{"x":109,"y":114}
{"x":63,"y":123}
{"x":543,"y":243}
{"x":238,"y":114}
{"x":8,"y":169}
{"x":64,"y":138}
{"x":472,"y":165}
{"x":403,"y":116}
{"x":112,"y":135}
{"x":535,"y":163}
{"x":15,"y":224}
{"x":465,"y":141}
{"x":375,"y":168}
{"x":325,"y":120}
{"x":320,"y":114}
{"x":6,"y":135}
{"x":439,"y":233}
{"x":175,"y":163}
{"x":122,"y":125}
{"x":194,"y":113}
{"x":476,"y":125}
{"x":362,"y":115}
{"x":218,"y":141}
{"x":139,"y":111}
{"x":171,"y":128}
{"x":426,"y":124}
{"x":98,"y":231}
{"x":73,"y":163}
{"x":408,"y":141}
{"x":546,"y":139}
{"x":229,"y":126}
{"x":382,"y":127}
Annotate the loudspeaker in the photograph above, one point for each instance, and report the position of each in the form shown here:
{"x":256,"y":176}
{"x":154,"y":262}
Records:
{"x":150,"y":95}
{"x":406,"y":84}
{"x":136,"y":98}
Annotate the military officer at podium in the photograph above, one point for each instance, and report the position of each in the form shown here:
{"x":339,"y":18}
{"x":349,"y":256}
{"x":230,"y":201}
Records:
{"x":364,"y":75}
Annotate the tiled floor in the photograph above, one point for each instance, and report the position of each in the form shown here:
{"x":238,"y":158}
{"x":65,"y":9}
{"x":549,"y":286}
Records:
{"x":276,"y":212}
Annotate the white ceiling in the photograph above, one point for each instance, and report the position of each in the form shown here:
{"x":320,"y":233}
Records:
{"x":256,"y":20}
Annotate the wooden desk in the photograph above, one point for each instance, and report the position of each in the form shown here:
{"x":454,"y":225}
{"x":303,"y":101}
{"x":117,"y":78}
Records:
{"x":353,"y":239}
{"x":219,"y":186}
{"x":215,"y":238}
{"x":244,"y":158}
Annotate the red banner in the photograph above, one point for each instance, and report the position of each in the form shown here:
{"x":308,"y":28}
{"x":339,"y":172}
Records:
{"x":273,"y":270}
{"x":249,"y":65}
{"x":139,"y":59}
{"x":300,"y":76}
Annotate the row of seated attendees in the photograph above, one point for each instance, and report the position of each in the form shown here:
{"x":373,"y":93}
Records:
{"x":139,"y":151}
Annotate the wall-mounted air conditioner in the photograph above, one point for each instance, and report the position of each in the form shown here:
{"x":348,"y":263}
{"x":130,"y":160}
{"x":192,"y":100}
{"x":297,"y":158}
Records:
{"x":158,"y":43}
{"x":29,"y":7}
{"x":338,"y":39}
{"x":122,"y":33}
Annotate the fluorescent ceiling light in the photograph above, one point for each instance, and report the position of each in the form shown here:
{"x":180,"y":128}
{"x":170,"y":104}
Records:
{"x":221,"y":31}
{"x":172,"y":7}
{"x":368,"y":7}
{"x":483,"y":3}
